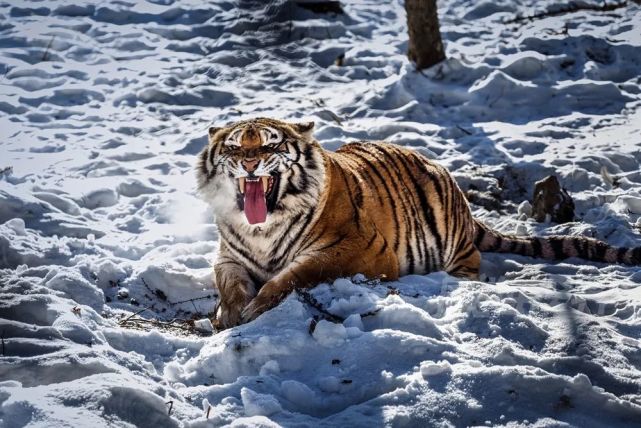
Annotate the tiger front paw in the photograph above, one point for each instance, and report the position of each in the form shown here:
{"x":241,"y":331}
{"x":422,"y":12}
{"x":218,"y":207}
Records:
{"x":268,"y":297}
{"x":229,"y":316}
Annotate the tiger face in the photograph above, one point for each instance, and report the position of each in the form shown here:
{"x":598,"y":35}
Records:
{"x":260,"y":168}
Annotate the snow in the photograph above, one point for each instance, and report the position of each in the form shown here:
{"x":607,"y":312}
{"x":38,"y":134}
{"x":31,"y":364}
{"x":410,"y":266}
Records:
{"x":330,"y":334}
{"x":256,"y":404}
{"x":103,"y":108}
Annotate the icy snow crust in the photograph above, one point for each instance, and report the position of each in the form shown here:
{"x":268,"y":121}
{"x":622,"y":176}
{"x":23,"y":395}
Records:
{"x":103,"y":107}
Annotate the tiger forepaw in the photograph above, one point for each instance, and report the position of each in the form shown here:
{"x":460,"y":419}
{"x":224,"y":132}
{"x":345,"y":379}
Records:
{"x":268,"y":297}
{"x":228,"y":317}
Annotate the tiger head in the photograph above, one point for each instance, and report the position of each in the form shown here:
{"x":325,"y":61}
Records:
{"x":260,"y":170}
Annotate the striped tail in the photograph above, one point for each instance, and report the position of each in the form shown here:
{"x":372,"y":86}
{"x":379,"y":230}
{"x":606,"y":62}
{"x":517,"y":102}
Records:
{"x":554,"y":247}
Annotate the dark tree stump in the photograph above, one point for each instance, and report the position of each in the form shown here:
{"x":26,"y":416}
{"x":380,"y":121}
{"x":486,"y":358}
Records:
{"x":425,"y":46}
{"x":553,"y":200}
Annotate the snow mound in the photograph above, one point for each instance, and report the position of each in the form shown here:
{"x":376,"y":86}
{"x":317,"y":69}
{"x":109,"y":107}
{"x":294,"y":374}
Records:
{"x":106,"y":251}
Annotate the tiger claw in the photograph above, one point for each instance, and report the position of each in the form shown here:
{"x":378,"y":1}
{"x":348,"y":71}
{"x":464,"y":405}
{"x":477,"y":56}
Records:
{"x":252,"y":311}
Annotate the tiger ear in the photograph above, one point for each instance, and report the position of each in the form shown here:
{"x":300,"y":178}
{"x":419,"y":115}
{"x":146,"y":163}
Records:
{"x":306,"y":129}
{"x":212,"y":131}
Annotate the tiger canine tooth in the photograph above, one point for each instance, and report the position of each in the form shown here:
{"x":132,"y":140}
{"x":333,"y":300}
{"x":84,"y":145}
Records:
{"x":241,"y":184}
{"x":265,"y":183}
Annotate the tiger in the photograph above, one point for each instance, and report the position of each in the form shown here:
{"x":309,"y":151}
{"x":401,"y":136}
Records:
{"x":291,"y":215}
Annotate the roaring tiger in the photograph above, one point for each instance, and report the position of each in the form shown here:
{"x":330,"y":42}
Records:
{"x":291,"y":215}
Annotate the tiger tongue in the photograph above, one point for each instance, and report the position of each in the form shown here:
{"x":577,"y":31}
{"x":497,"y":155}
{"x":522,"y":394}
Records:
{"x":255,"y":204}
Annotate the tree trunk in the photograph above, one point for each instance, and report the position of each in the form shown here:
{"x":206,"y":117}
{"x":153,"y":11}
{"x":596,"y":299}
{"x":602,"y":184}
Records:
{"x":425,"y":45}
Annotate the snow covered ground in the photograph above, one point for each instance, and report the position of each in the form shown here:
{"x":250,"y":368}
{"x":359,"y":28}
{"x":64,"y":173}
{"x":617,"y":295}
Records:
{"x":103,"y":107}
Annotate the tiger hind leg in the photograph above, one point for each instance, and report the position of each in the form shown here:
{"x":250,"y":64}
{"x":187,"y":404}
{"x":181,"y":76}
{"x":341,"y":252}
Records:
{"x":466,"y":263}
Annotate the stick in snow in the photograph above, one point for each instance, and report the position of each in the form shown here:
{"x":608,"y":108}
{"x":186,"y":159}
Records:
{"x":568,"y":9}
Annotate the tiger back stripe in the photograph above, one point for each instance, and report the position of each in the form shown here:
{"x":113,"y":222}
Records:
{"x":405,"y":197}
{"x":359,"y":193}
{"x":389,"y":198}
{"x":425,"y":206}
{"x":417,"y":214}
{"x":355,"y":208}
{"x":455,"y":232}
{"x":407,"y":202}
{"x":363,"y":176}
{"x":411,"y":216}
{"x":418,"y":233}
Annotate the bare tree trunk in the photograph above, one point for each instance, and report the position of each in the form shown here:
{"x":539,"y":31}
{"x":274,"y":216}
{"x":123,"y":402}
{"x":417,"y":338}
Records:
{"x":425,"y":45}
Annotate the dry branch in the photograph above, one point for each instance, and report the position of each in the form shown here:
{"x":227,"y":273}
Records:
{"x":311,"y":301}
{"x":571,"y":8}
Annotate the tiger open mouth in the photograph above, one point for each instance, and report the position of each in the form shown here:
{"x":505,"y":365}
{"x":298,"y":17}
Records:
{"x":256,"y":196}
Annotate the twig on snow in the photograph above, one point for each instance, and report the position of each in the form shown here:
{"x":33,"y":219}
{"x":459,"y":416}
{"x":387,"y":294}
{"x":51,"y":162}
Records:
{"x":162,"y":296}
{"x":46,"y":53}
{"x":192,"y":300}
{"x":133,"y":315}
{"x":464,"y":130}
{"x":572,"y":8}
{"x":311,"y":301}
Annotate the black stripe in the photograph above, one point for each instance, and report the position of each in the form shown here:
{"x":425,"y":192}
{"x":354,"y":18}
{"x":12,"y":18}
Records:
{"x":383,"y":248}
{"x":203,"y":162}
{"x":519,"y":247}
{"x":293,"y":221}
{"x":396,"y":180}
{"x":242,"y":252}
{"x":309,"y":157}
{"x":396,"y":157}
{"x":254,"y":278}
{"x":370,"y":179}
{"x":290,"y":245}
{"x":340,"y":238}
{"x":460,"y":244}
{"x":580,"y":247}
{"x":419,"y":162}
{"x":297,"y":171}
{"x":600,"y":250}
{"x":465,"y":255}
{"x":213,"y":153}
{"x":621,"y":252}
{"x":310,"y":242}
{"x":636,"y":256}
{"x":355,"y":210}
{"x":433,"y":266}
{"x":429,"y":219}
{"x":371,"y":241}
{"x":497,"y":244}
{"x":428,"y":215}
{"x":451,"y":229}
{"x":537,"y":249}
{"x":358,"y":197}
{"x":480,"y":234}
{"x":557,"y":246}
{"x":356,"y":182}
{"x":389,"y":194}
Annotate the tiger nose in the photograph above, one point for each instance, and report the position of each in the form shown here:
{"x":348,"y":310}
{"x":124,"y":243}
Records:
{"x":250,"y":164}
